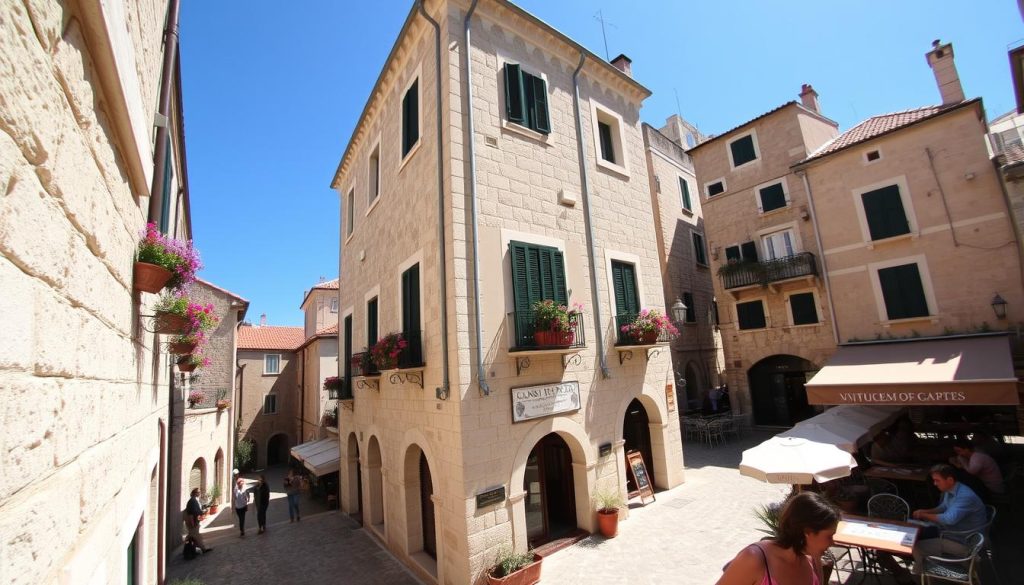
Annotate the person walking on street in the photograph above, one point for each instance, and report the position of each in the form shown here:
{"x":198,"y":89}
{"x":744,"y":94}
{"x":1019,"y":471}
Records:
{"x":241,"y":503}
{"x":262,"y":503}
{"x":193,"y":510}
{"x":291,"y":487}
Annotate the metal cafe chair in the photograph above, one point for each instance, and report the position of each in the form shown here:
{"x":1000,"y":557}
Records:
{"x":986,"y":531}
{"x":881,"y":486}
{"x":956,"y":570}
{"x":889,"y":507}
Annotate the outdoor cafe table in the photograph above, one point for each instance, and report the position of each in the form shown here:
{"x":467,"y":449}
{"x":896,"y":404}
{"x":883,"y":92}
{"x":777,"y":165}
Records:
{"x":877,"y":534}
{"x":898,"y":472}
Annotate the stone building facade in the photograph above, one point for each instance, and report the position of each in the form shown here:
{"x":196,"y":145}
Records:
{"x":686,"y":274}
{"x":86,"y":410}
{"x":436,"y":228}
{"x":763,"y":251}
{"x":318,"y":357}
{"x":204,"y":435}
{"x":268,"y":399}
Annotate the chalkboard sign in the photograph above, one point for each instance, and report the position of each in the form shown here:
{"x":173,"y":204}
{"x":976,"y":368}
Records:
{"x":640,"y":476}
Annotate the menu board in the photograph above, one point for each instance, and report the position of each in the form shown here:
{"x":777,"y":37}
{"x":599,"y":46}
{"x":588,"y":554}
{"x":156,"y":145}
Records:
{"x":640,"y":476}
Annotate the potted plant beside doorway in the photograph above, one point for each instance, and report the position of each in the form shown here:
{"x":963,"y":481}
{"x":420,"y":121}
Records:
{"x":512,"y":568}
{"x":608,"y":503}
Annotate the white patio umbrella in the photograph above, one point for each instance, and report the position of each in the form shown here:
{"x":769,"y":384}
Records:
{"x":845,"y":436}
{"x":873,"y":417}
{"x":795,"y":460}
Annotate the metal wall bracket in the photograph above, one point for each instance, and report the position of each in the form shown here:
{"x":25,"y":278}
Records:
{"x":369,"y":383}
{"x":571,"y":358}
{"x":653,"y":352}
{"x":625,"y":354}
{"x":522,"y":363}
{"x":348,"y":404}
{"x":401,"y":377}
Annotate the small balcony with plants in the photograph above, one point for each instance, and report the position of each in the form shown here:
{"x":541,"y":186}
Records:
{"x":647,"y":329}
{"x":338,"y":388}
{"x":739,"y":274}
{"x":546,"y":328}
{"x":401,"y":355}
{"x":363,"y":366}
{"x":208,"y":400}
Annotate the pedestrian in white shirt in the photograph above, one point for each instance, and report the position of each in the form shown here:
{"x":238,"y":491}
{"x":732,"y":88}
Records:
{"x":241,"y":501}
{"x":980,"y":465}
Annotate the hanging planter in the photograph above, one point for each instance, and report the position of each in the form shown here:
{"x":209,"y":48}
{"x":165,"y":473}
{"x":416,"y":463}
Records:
{"x":186,"y":364}
{"x":182,"y":347}
{"x":223,"y":404}
{"x":171,"y":323}
{"x":151,"y":278}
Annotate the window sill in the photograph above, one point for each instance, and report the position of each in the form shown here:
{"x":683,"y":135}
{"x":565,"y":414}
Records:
{"x":372,"y":206}
{"x":614,"y":168}
{"x":408,"y":155}
{"x":702,"y":265}
{"x":803,"y":326}
{"x":765,"y":328}
{"x":776,"y":211}
{"x":747,"y":164}
{"x":870,"y":244}
{"x":271,"y":373}
{"x":909,"y":320}
{"x":514,"y":128}
{"x":687,"y":212}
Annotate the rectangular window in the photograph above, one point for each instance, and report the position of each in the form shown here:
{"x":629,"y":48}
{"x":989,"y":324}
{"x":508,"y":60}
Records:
{"x":803,"y":308}
{"x":270,"y":404}
{"x":716,"y":188}
{"x":607,"y":144}
{"x":410,"y":117}
{"x":691,"y":310}
{"x":903,"y":292}
{"x":413,"y":354}
{"x":346,"y":364}
{"x":742,"y":150}
{"x":778,"y":245}
{"x":272,"y":363}
{"x":627,"y":297}
{"x":745,"y":252}
{"x":684,"y":193}
{"x":526,"y":99}
{"x":750,"y":315}
{"x":700,"y":254}
{"x":883,"y":209}
{"x":771,"y":198}
{"x":350,"y":211}
{"x":371,"y":322}
{"x":714,"y":313}
{"x":538,"y":274}
{"x":374,"y":175}
{"x":334,"y":305}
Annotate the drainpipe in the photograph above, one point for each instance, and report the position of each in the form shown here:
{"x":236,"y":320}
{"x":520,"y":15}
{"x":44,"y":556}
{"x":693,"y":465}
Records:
{"x":585,"y":196}
{"x":442,"y":270}
{"x":471,"y":146}
{"x":241,"y":385}
{"x":821,"y":249}
{"x":302,"y":394}
{"x":164,"y":110}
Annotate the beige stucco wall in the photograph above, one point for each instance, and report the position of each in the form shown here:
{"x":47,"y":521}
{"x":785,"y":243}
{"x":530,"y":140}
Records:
{"x":699,"y":345}
{"x":253,"y":386}
{"x":468,"y":439}
{"x":317,"y":311}
{"x":86,"y":391}
{"x":319,"y":360}
{"x":731,"y":218}
{"x":961,"y":279}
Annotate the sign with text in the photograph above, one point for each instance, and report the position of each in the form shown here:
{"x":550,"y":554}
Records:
{"x":532,"y":402}
{"x":640,"y":476}
{"x":490,"y":497}
{"x":961,"y":394}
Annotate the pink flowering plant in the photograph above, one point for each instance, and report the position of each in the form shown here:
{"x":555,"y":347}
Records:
{"x":386,"y":351}
{"x":332,"y":383}
{"x":196,"y":359}
{"x":200,"y":317}
{"x":648,"y":322}
{"x":178,"y":256}
{"x":550,"y":316}
{"x":194,"y":398}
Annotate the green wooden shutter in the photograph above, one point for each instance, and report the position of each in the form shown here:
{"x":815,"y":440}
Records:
{"x":684,"y":188}
{"x":627,"y":301}
{"x":410,"y":118}
{"x":903,"y":292}
{"x":750,"y":315}
{"x":700,"y":253}
{"x":884,"y":212}
{"x":804,"y":310}
{"x":749,"y":250}
{"x":561,"y":295}
{"x":540,"y":122}
{"x":743,"y":150}
{"x":165,"y":203}
{"x":772,"y":197}
{"x":520,"y":276}
{"x":514,"y":98}
{"x":346,"y":364}
{"x":371,"y":322}
{"x":411,"y":300}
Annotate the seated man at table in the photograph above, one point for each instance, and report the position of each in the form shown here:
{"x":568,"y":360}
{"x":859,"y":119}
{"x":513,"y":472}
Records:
{"x":980,"y":465}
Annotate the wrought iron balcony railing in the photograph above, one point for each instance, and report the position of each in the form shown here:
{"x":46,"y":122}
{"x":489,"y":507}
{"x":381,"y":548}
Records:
{"x":651,"y":338}
{"x":342,"y":393}
{"x":412,"y":355}
{"x":743,"y":274}
{"x":528,"y":336}
{"x":362,"y":365}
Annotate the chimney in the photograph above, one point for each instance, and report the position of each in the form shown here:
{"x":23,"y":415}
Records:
{"x":263,"y":319}
{"x":809,"y":98}
{"x":622,"y":64}
{"x":940,"y":59}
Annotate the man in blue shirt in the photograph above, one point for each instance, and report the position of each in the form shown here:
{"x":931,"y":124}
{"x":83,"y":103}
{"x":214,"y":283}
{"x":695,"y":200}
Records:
{"x":959,"y":510}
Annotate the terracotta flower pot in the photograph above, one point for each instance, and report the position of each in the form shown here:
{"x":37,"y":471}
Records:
{"x":648,"y":338}
{"x":182,"y":347}
{"x":528,"y":575}
{"x":554,"y":338}
{"x":608,"y":522}
{"x":150,"y":277}
{"x":223,"y":404}
{"x":170,"y":323}
{"x":214,"y":508}
{"x":186,"y":365}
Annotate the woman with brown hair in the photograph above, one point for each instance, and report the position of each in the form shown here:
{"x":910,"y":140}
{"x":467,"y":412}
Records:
{"x":806,"y":526}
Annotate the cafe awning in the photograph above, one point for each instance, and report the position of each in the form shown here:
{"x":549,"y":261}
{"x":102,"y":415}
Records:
{"x":326,"y":461}
{"x":957,"y":370}
{"x":301,"y":452}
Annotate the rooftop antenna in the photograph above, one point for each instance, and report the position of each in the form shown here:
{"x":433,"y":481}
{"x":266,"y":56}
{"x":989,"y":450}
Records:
{"x":679,"y":110}
{"x":600,"y":18}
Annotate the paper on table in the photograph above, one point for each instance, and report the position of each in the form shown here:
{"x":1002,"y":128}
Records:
{"x":903,"y":535}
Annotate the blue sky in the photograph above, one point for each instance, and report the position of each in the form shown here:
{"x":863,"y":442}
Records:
{"x":271,"y":96}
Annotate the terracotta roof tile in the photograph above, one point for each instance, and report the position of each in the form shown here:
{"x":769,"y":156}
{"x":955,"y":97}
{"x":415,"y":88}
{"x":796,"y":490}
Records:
{"x":327,"y":285}
{"x":876,"y":126}
{"x":1011,"y":155}
{"x":329,"y":330}
{"x":270,"y":337}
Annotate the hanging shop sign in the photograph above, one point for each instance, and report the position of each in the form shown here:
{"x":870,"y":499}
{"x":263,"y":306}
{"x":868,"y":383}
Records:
{"x":531,"y":402}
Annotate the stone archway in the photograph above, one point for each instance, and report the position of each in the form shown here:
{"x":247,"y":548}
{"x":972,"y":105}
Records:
{"x":352,"y":495}
{"x":375,"y":481}
{"x":694,"y":386}
{"x":636,"y":436}
{"x":420,"y":516}
{"x":197,"y":476}
{"x":549,"y":484}
{"x":777,"y":390}
{"x":277,"y":450}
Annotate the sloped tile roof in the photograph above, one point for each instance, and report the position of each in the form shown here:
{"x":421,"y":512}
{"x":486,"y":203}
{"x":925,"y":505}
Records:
{"x":270,"y":337}
{"x":876,"y":126}
{"x":327,"y":285}
{"x":329,"y":330}
{"x":1011,"y":155}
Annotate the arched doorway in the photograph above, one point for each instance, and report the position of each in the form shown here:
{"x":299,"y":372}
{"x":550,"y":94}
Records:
{"x":777,"y":390}
{"x":636,"y":433}
{"x":197,"y":476}
{"x":550,"y":491}
{"x":376,"y":480}
{"x":420,"y":519}
{"x":427,"y":508}
{"x":355,"y":480}
{"x":277,"y":450}
{"x":218,"y":470}
{"x":693,"y":386}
